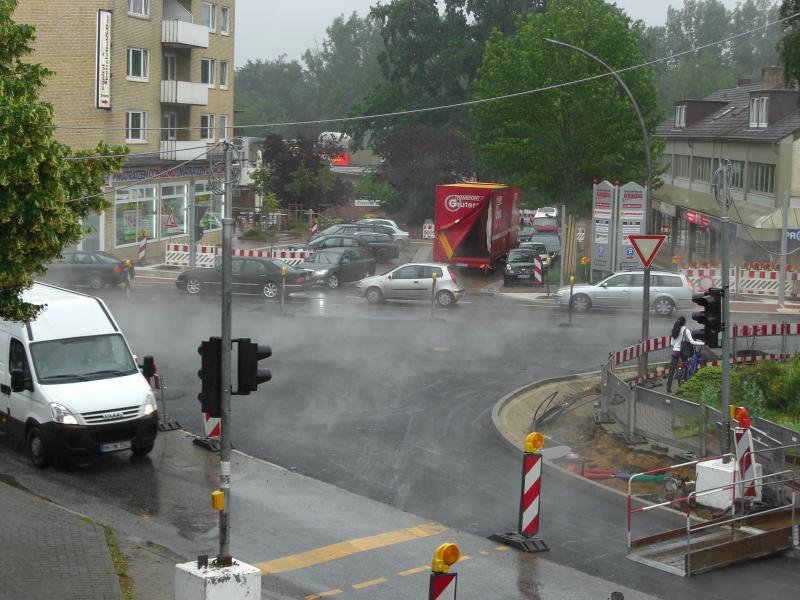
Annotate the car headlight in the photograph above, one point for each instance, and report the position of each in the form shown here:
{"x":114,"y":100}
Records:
{"x":61,"y":414}
{"x":321,"y":273}
{"x":509,"y":268}
{"x":149,"y":403}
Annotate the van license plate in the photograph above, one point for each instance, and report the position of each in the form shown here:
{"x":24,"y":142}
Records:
{"x":524,"y":276}
{"x":115,"y":446}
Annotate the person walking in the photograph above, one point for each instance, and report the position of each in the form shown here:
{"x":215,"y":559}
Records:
{"x":680,"y":335}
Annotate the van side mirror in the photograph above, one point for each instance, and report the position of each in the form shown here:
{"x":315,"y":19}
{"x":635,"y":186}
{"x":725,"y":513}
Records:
{"x":19,"y":382}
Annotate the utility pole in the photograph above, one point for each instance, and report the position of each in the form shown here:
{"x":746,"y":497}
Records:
{"x":224,"y":558}
{"x":192,"y":226}
{"x":563,"y":249}
{"x":724,"y":203}
{"x":784,"y":234}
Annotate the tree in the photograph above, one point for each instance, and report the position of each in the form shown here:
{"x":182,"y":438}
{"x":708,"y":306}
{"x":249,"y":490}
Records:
{"x":789,"y":45}
{"x":415,"y":159}
{"x":298,"y":173}
{"x":44,"y":196}
{"x":557,"y":141}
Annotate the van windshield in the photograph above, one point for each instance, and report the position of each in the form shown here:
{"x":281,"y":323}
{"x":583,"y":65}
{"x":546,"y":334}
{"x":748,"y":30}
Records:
{"x":82,"y":359}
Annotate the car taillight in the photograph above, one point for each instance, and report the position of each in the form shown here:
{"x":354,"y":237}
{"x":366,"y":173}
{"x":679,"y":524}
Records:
{"x":118,"y":269}
{"x":452,"y":275}
{"x":300,"y":279}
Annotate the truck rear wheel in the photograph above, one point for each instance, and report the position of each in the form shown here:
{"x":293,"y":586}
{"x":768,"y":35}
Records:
{"x":40,"y":456}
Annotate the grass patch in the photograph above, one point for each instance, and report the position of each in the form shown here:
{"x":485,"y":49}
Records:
{"x":120,"y":564}
{"x":258,"y":235}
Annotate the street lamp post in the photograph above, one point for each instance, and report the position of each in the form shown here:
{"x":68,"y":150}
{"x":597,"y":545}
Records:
{"x":649,"y":193}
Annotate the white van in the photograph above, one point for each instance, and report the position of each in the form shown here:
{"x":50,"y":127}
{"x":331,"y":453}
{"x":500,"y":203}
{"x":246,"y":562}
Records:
{"x":69,"y":385}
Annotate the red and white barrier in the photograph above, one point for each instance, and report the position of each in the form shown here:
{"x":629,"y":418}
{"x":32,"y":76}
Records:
{"x":744,"y":457}
{"x":290,"y":257}
{"x":142,"y":249}
{"x":752,"y":282}
{"x":177,"y":255}
{"x":529,"y":499}
{"x":443,"y":586}
{"x":537,"y":270}
{"x":212,"y":426}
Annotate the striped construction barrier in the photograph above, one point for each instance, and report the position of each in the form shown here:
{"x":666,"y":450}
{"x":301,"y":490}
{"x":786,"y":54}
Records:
{"x":744,"y":456}
{"x":290,"y":257}
{"x":212,"y":426}
{"x":177,"y":255}
{"x":537,"y":270}
{"x":531,"y":488}
{"x":751,"y":282}
{"x":443,"y":586}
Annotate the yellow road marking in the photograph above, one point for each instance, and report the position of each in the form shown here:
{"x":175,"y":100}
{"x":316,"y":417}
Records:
{"x":465,"y":557}
{"x":484,"y":552}
{"x":370,"y":583}
{"x":323,"y":594}
{"x":348,"y":548}
{"x":413,"y":571}
{"x":502,"y":548}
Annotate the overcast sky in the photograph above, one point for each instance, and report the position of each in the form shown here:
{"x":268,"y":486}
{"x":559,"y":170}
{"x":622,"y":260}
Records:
{"x":266,"y":29}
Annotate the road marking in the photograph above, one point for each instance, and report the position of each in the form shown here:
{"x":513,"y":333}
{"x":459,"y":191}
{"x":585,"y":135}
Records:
{"x":484,"y":552}
{"x":324,"y":594}
{"x":440,"y":349}
{"x":413,"y":571}
{"x":370,"y":583}
{"x":502,"y":548}
{"x":348,"y":548}
{"x":465,"y":557}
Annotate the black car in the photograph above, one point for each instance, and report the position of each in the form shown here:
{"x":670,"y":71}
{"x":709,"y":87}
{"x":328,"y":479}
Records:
{"x":249,"y":275}
{"x":381,"y":245}
{"x":95,"y":269}
{"x":519,"y":265}
{"x":352,"y":228}
{"x":550,"y":241}
{"x":333,"y":266}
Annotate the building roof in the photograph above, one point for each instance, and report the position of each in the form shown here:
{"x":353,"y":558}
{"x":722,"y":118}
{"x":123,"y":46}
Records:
{"x":731,"y":121}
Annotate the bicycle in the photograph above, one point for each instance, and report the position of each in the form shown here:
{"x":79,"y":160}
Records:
{"x":687,"y":368}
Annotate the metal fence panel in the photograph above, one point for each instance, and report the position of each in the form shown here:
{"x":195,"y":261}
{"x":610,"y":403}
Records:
{"x":618,"y":398}
{"x":669,"y":420}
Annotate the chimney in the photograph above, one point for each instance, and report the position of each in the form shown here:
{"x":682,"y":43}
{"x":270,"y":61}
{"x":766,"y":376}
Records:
{"x":771,"y":77}
{"x":744,"y":82}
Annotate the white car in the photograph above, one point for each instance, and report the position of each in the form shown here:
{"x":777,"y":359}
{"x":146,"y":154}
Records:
{"x":413,"y":281}
{"x":378,"y":221}
{"x":546,"y":211}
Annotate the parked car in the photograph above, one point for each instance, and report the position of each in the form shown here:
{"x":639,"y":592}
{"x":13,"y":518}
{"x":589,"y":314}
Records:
{"x":381,"y":245}
{"x":552,"y":244}
{"x":95,"y":269}
{"x":334,"y":266}
{"x":668,"y":292}
{"x":546,"y":211}
{"x":249,"y":275}
{"x":401,"y":237}
{"x":519,"y":264}
{"x":525,"y":234}
{"x":377,"y":221}
{"x":413,"y":281}
{"x":351,"y":228}
{"x":545,"y":225}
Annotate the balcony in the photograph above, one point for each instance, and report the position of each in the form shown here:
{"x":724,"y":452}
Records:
{"x":188,"y":150}
{"x":184,"y":92}
{"x":184,"y":34}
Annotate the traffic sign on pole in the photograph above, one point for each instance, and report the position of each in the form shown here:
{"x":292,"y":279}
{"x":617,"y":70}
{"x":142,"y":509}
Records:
{"x":647,"y":246}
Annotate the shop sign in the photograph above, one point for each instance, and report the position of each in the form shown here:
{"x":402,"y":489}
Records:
{"x":697,"y":218}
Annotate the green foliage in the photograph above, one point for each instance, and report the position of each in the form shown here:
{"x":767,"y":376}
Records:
{"x":44,"y":197}
{"x":370,"y":187}
{"x":257,"y":235}
{"x":704,"y":388}
{"x":557,"y":141}
{"x":751,"y":396}
{"x":789,"y":45}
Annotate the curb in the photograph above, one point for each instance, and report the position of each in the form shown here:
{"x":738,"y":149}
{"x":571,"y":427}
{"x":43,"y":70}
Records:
{"x":561,"y":473}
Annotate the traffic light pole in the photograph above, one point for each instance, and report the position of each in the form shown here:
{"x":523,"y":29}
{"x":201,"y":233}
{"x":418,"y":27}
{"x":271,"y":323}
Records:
{"x":726,"y":314}
{"x":224,"y":558}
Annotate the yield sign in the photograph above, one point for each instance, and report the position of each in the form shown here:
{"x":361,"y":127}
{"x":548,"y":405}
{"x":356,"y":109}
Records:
{"x":646,"y":247}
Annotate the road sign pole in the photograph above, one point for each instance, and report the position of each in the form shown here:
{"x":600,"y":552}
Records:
{"x":726,"y":313}
{"x":646,"y":247}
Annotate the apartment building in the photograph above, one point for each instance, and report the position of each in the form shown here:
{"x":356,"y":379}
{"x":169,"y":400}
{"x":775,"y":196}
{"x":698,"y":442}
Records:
{"x":155,"y":75}
{"x":757,"y":128}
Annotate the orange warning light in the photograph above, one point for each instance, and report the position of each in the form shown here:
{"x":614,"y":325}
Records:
{"x":444,"y":557}
{"x":533,"y":442}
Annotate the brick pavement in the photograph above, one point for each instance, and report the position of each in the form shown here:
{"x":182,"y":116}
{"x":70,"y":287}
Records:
{"x":49,"y":552}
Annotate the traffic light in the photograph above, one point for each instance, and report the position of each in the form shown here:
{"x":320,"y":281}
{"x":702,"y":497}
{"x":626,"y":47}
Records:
{"x":210,"y":394}
{"x":710,"y":317}
{"x":249,"y":374}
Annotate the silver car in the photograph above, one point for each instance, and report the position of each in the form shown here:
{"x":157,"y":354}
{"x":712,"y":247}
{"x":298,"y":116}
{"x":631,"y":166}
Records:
{"x":413,"y":281}
{"x":668,"y":292}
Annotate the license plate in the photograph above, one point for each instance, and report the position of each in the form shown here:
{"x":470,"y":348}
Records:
{"x":524,"y":276}
{"x":115,"y":446}
{"x":462,"y":265}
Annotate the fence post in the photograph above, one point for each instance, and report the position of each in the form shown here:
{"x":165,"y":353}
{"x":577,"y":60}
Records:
{"x":703,"y":430}
{"x":784,"y":328}
{"x":632,"y":411}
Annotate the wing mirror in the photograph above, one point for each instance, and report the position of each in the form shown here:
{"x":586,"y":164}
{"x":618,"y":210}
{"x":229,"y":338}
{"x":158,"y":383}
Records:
{"x":388,"y":277}
{"x":603,"y":285}
{"x":19,"y":382}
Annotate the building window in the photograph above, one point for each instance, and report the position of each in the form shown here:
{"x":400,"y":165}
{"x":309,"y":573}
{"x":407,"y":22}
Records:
{"x":207,"y":127}
{"x":173,"y":209}
{"x":758,"y":111}
{"x":680,"y":116}
{"x":136,"y":126}
{"x":702,"y":169}
{"x":135,"y":209}
{"x":223,"y":75}
{"x":210,"y":16}
{"x":762,"y":178}
{"x":680,"y":166}
{"x":138,"y":59}
{"x":224,"y":20}
{"x":208,"y":68}
{"x":222,"y":121}
{"x":203,"y":195}
{"x":736,"y":171}
{"x":140,"y":8}
{"x":169,"y":126}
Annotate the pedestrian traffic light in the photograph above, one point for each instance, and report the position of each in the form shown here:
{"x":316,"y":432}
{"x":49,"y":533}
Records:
{"x":210,"y":367}
{"x":710,"y":317}
{"x":249,"y":374}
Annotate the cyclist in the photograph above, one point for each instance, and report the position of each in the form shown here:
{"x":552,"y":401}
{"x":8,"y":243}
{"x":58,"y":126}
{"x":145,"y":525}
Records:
{"x":680,"y":335}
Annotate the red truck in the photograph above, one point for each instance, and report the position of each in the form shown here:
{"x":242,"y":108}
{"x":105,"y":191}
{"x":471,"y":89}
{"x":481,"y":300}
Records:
{"x":475,"y":223}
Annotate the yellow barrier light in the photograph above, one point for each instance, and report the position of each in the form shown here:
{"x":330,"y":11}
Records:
{"x":572,"y":278}
{"x":218,"y":500}
{"x":533,"y":442}
{"x":584,"y":260}
{"x":433,"y":275}
{"x":444,"y":557}
{"x":283,"y":271}
{"x":739,"y":413}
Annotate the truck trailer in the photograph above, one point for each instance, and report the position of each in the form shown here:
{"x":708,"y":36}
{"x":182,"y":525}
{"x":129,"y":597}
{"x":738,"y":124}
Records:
{"x":475,"y":223}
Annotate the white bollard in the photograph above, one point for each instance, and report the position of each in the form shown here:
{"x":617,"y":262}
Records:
{"x":240,"y":581}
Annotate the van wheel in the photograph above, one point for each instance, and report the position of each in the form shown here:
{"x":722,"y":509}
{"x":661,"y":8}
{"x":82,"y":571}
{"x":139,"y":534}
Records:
{"x":142,"y":450}
{"x":96,"y":282}
{"x":40,"y":457}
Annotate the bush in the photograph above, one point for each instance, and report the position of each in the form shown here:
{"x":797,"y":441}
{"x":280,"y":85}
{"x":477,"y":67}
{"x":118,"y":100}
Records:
{"x":257,"y":234}
{"x":751,"y":397}
{"x":705,"y":386}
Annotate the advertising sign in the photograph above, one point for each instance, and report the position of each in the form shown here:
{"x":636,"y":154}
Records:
{"x":103,"y":66}
{"x":698,"y":219}
{"x":793,"y":235}
{"x":604,"y":199}
{"x":630,"y":221}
